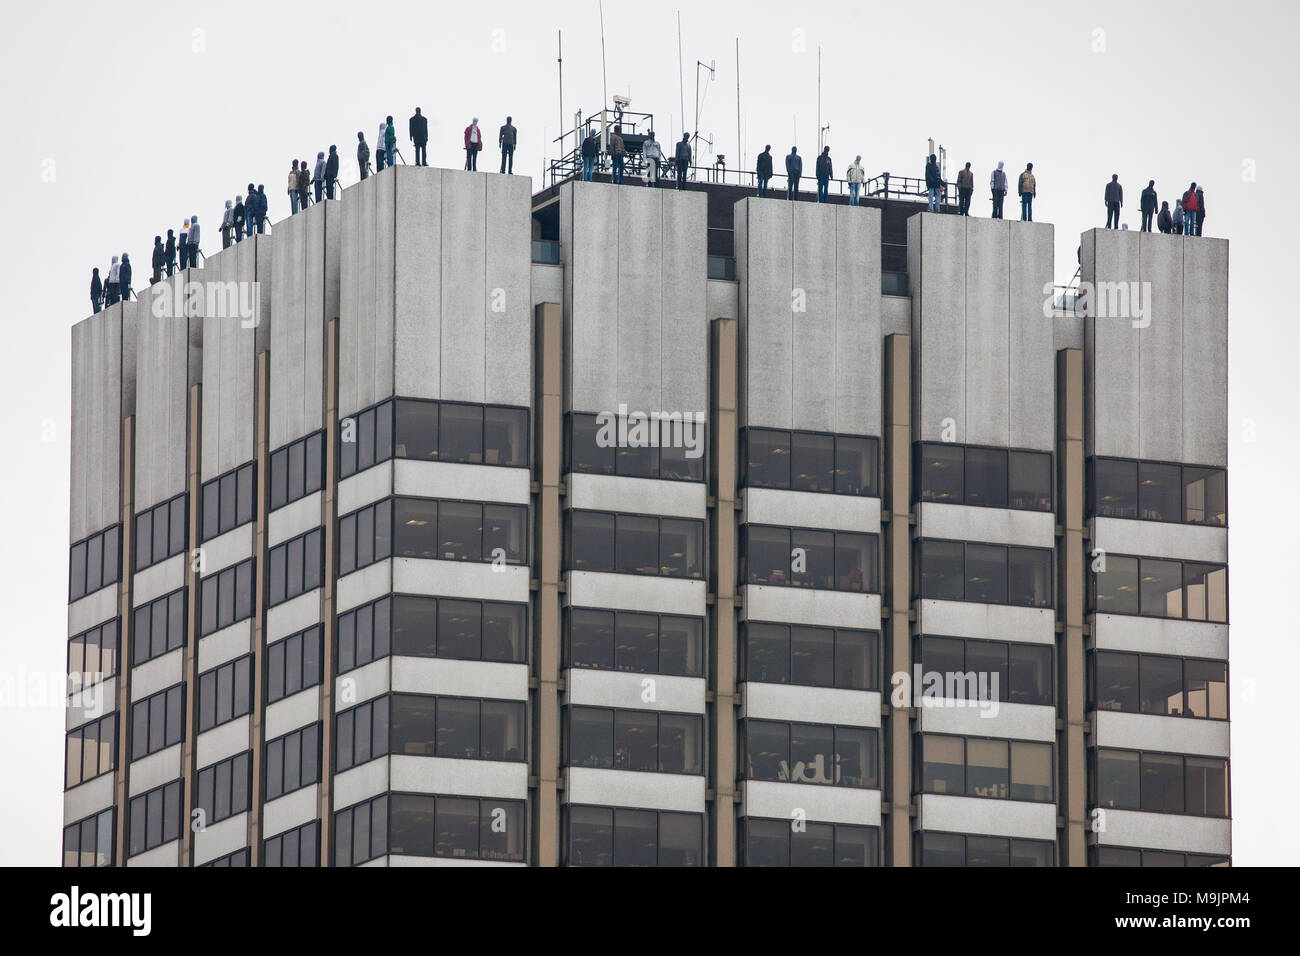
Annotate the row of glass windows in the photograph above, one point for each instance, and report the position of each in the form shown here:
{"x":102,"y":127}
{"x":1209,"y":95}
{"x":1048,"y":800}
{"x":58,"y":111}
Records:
{"x":225,"y":692}
{"x":237,"y":859}
{"x":449,"y":628}
{"x":613,"y":836}
{"x":633,"y":642}
{"x":294,"y":663}
{"x":801,"y":843}
{"x":297,"y":469}
{"x":296,"y":566}
{"x":293,"y":761}
{"x":1158,"y":491}
{"x":810,"y":461}
{"x":959,"y":849}
{"x":459,"y":828}
{"x":160,"y":532}
{"x":1160,"y":587}
{"x":91,"y":750}
{"x":297,"y":847}
{"x":985,"y":767}
{"x":94,"y":563}
{"x":228,"y":501}
{"x":808,"y":558}
{"x":984,"y":573}
{"x":158,"y":721}
{"x":635,"y":544}
{"x":159,"y":627}
{"x":1156,"y":684}
{"x":810,"y":656}
{"x":154,"y":818}
{"x":1128,"y":856}
{"x":1160,"y":782}
{"x":1023,"y":672}
{"x":441,"y":530}
{"x":226,"y":597}
{"x":421,"y":725}
{"x":361,"y":832}
{"x":650,"y":740}
{"x":89,"y":842}
{"x":664,"y":449}
{"x":92,"y":655}
{"x":366,"y":536}
{"x":809,"y":753}
{"x":225,"y":788}
{"x":433,"y":431}
{"x":990,"y":477}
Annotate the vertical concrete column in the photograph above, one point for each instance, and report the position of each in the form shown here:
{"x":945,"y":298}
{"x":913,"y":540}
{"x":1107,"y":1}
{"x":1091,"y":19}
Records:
{"x":897,"y":596}
{"x":257,"y":725}
{"x":328,"y":599}
{"x":549,"y":330}
{"x":194,"y":489}
{"x":722,"y":546}
{"x":126,"y":619}
{"x":1072,"y":576}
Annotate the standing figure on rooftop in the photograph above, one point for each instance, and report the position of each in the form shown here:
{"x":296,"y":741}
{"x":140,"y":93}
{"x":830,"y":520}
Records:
{"x":250,"y":207}
{"x":683,"y":159}
{"x":259,"y":214}
{"x":1177,"y":221}
{"x":237,"y":218}
{"x":110,"y":288}
{"x":590,"y":149}
{"x":192,"y":243}
{"x":965,"y":189}
{"x":793,"y":170}
{"x":506,"y":139}
{"x":124,"y":277}
{"x":1165,"y":221}
{"x":227,"y":220}
{"x":169,"y":250}
{"x":419,"y":129}
{"x":182,"y":247}
{"x":363,"y":156}
{"x":1114,"y":200}
{"x":381,"y":155}
{"x":304,"y":185}
{"x":317,"y":176}
{"x":159,"y":260}
{"x":1191,"y":206}
{"x":763,"y":169}
{"x":654,"y":155}
{"x":1028,"y":189}
{"x":933,"y":183}
{"x":824,"y":172}
{"x":293,"y":188}
{"x":1147,"y":204}
{"x":998,"y":186}
{"x":390,"y":141}
{"x":96,"y":289}
{"x":856,"y":176}
{"x":618,"y":154}
{"x":1200,"y":209}
{"x":473,"y":143}
{"x":331,"y":172}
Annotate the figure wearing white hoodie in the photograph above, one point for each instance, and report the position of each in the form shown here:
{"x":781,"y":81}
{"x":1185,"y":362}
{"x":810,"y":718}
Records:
{"x":998,"y":185}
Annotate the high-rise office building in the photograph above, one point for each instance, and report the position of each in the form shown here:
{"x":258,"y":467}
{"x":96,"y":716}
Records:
{"x":453,"y":523}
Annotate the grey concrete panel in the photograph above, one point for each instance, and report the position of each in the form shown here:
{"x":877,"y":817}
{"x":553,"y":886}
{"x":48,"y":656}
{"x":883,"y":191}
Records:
{"x":684,"y":280}
{"x":765,"y":312}
{"x":638,"y":278}
{"x":1205,"y":351}
{"x":96,"y":419}
{"x":813,"y":341}
{"x":1032,"y":337}
{"x":385,"y":238}
{"x":938,"y":324}
{"x":858,"y":337}
{"x":230,"y":283}
{"x":163,"y":376}
{"x":508,"y":342}
{"x":294,"y":250}
{"x":988,"y":349}
{"x":591,"y":302}
{"x":723,"y":299}
{"x":1160,"y":348}
{"x":547,"y":283}
{"x":420,"y":280}
{"x":463,"y":295}
{"x":895,"y":315}
{"x":1114,"y":371}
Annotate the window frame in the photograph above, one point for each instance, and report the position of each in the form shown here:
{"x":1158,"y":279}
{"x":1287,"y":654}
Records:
{"x":1184,"y":603}
{"x":659,"y":472}
{"x":614,"y":517}
{"x":744,"y":765}
{"x":1007,"y":550}
{"x":1093,"y":510}
{"x":1094,"y":790}
{"x":871,"y":586}
{"x":873,"y":681}
{"x":1006,"y":453}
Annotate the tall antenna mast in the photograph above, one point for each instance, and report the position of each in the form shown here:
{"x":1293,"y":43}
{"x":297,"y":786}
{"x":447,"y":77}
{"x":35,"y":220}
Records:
{"x":559,"y":47}
{"x":681,"y":75}
{"x":739,"y":147}
{"x":819,"y":100}
{"x":604,"y":91}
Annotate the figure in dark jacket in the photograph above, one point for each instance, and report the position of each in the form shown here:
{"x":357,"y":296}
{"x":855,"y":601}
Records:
{"x":110,"y":286}
{"x":507,"y":137}
{"x":824,"y":173}
{"x":250,"y":208}
{"x":1165,"y":221}
{"x":419,"y":128}
{"x":763,"y":169}
{"x":159,"y":260}
{"x":96,"y":290}
{"x":683,"y":159}
{"x":363,"y":155}
{"x":124,"y":278}
{"x":1114,"y":199}
{"x":590,"y":150}
{"x":793,"y":170}
{"x":1200,"y":214}
{"x":169,"y":252}
{"x":259,"y":213}
{"x":331,"y":172}
{"x":1149,"y":203}
{"x":238,"y":216}
{"x":304,"y":184}
{"x":933,"y":183}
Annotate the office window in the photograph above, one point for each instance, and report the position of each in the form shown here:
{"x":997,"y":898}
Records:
{"x":297,"y":469}
{"x":988,"y":768}
{"x":226,"y":597}
{"x":1206,"y":592}
{"x":457,"y":827}
{"x":857,"y":463}
{"x":297,"y":847}
{"x":296,"y":566}
{"x":225,"y":692}
{"x":632,"y":642}
{"x":1161,"y":587}
{"x":635,"y":544}
{"x":416,"y":430}
{"x":804,"y":557}
{"x":810,"y":461}
{"x":957,"y":849}
{"x":361,"y":734}
{"x":1206,"y":786}
{"x":159,"y":627}
{"x":778,"y":843}
{"x":646,"y":740}
{"x":986,"y":477}
{"x":681,"y":451}
{"x":238,"y":858}
{"x":94,"y":563}
{"x":1126,"y":856}
{"x":294,"y":664}
{"x":433,"y":627}
{"x":985,"y":767}
{"x":606,"y":836}
{"x":160,"y":532}
{"x":92,"y":655}
{"x":941,"y":474}
{"x":1029,"y":674}
{"x":365,"y":439}
{"x":1031,"y":771}
{"x":1159,"y":491}
{"x":293,"y":761}
{"x":1023,"y":672}
{"x":224,"y":789}
{"x":367,"y":535}
{"x":1029,"y":577}
{"x":1115,"y":587}
{"x":589,"y":450}
{"x":942,"y":571}
{"x":91,"y":750}
{"x":89,"y":842}
{"x":158,"y":722}
{"x":1160,"y":782}
{"x":1029,"y":481}
{"x":811,"y":656}
{"x":154,"y":818}
{"x":948,"y":473}
{"x":1207,"y":689}
{"x":460,"y":433}
{"x":1205,"y":496}
{"x":941,"y":849}
{"x":986,"y":573}
{"x":767,"y":458}
{"x":361,"y":832}
{"x":992,"y":574}
{"x":1114,"y":487}
{"x":810,"y":753}
{"x":228,"y":501}
{"x":456,"y":530}
{"x":667,"y":448}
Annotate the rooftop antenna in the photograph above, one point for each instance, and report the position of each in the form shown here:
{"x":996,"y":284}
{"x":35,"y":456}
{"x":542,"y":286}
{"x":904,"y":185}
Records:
{"x":681,"y":75}
{"x":740,"y":147}
{"x":819,"y":100}
{"x":604,"y":89}
{"x":712,"y":67}
{"x":559,"y":47}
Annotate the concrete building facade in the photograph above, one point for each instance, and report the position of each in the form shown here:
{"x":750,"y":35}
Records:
{"x":395,"y":542}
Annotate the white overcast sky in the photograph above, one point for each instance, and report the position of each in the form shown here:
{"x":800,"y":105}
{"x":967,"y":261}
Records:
{"x":123,"y":118}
